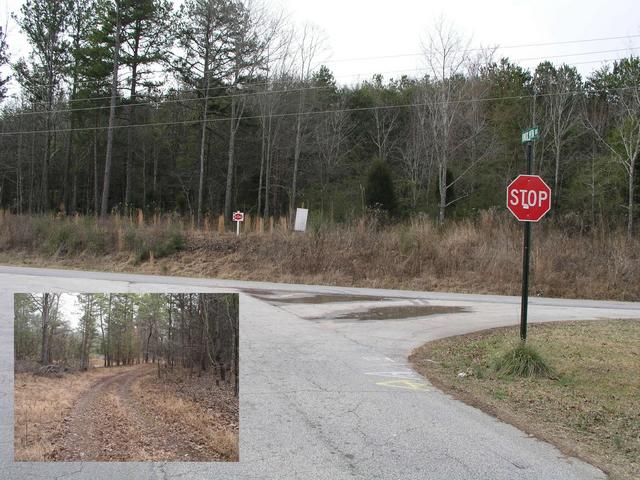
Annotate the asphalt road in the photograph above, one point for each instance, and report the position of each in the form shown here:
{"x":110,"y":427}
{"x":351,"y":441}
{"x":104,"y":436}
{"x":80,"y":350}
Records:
{"x":324,"y":397}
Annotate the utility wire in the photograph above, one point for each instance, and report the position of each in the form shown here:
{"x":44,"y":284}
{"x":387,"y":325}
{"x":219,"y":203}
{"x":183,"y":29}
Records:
{"x":497,"y":47}
{"x":178,"y":100}
{"x":402,"y":55}
{"x":321,"y":112}
{"x":161,"y":100}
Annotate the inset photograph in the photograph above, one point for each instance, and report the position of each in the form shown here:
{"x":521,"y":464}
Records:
{"x":126,"y":377}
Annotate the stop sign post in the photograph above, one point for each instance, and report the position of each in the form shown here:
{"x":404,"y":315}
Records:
{"x":529,"y":199}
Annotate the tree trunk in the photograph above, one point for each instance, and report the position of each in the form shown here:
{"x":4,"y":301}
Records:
{"x":262,"y":155}
{"x":593,"y":187}
{"x":19,"y":177}
{"x":44,"y":352}
{"x":556,"y":180}
{"x":32,"y":173}
{"x":296,"y":160}
{"x":131,"y":154}
{"x":87,"y":333}
{"x":230,"y":166}
{"x":70,"y":163}
{"x":108,"y":348}
{"x":155,"y":173}
{"x":203,"y":136}
{"x":170,"y":336}
{"x":96,"y":201}
{"x":44,"y":200}
{"x":104,"y":345}
{"x":267,"y":176}
{"x":442,"y":183}
{"x":112,"y":116}
{"x":146,"y":353}
{"x":632,"y":179}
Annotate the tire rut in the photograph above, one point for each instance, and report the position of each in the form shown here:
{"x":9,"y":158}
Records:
{"x":108,"y":423}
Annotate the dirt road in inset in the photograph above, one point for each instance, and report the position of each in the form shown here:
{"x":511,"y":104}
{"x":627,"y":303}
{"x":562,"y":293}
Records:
{"x":110,"y":422}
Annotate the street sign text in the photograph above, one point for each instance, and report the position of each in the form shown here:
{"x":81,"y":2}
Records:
{"x":528,"y":198}
{"x":530,"y":135}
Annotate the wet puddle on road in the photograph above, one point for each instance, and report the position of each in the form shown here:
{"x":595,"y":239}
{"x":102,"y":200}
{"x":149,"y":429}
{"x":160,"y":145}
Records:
{"x":314,"y":299}
{"x":398,"y":312}
{"x":382,"y":312}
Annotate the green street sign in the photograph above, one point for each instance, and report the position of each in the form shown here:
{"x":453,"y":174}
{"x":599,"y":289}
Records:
{"x":530,"y":134}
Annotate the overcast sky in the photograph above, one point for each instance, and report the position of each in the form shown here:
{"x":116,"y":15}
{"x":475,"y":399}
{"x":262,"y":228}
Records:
{"x":375,"y":28}
{"x":70,"y":308}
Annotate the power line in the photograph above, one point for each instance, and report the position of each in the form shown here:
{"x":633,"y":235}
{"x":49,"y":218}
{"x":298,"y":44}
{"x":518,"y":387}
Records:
{"x":581,"y":54}
{"x":544,"y":44}
{"x":417,"y":70}
{"x":401,"y":55}
{"x":161,"y":99}
{"x":321,"y":112}
{"x":164,"y":102}
{"x":416,"y":54}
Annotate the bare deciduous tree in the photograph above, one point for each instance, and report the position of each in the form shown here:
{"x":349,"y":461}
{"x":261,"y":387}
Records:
{"x":559,"y":94}
{"x":623,"y":142}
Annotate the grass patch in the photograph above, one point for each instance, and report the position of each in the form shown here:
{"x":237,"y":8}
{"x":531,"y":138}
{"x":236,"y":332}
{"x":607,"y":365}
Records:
{"x":522,"y":361}
{"x":588,"y":404}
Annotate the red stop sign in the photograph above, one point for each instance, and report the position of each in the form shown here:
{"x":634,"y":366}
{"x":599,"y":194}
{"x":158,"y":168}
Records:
{"x":528,"y":198}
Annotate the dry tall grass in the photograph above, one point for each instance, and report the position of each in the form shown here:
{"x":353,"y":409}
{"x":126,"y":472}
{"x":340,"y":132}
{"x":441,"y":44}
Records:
{"x":40,"y":404}
{"x":483,"y":255}
{"x":207,"y":428}
{"x":57,"y":236}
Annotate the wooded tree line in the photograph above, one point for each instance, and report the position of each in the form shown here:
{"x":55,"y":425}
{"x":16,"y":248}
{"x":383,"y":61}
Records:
{"x":221,"y":104}
{"x":198,"y":332}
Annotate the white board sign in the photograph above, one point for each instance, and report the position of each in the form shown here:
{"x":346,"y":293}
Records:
{"x":301,"y":220}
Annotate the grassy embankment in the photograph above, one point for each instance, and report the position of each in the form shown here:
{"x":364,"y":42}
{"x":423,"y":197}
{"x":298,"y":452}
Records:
{"x":589,"y":405}
{"x":482,"y":256}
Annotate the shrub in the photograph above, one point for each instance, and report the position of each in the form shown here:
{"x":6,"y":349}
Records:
{"x":63,"y":238}
{"x":522,"y":361}
{"x":144,"y":241}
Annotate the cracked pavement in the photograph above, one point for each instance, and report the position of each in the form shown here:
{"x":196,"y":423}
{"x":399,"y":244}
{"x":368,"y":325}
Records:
{"x":327,"y":399}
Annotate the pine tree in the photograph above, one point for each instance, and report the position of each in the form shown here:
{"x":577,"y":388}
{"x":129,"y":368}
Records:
{"x":380,"y":192}
{"x":147,"y":38}
{"x":4,"y":60}
{"x":44,"y":23}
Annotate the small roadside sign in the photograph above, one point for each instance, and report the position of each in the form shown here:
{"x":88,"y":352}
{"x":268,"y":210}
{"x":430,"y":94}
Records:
{"x":238,"y":217}
{"x":530,"y":134}
{"x":301,"y":220}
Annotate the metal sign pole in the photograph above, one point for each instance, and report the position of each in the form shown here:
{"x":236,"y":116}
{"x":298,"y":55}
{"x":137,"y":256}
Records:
{"x":525,"y":259}
{"x":237,"y":228}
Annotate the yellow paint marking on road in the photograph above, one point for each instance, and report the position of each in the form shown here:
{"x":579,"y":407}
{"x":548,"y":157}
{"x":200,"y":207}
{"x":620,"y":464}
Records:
{"x":406,"y":384}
